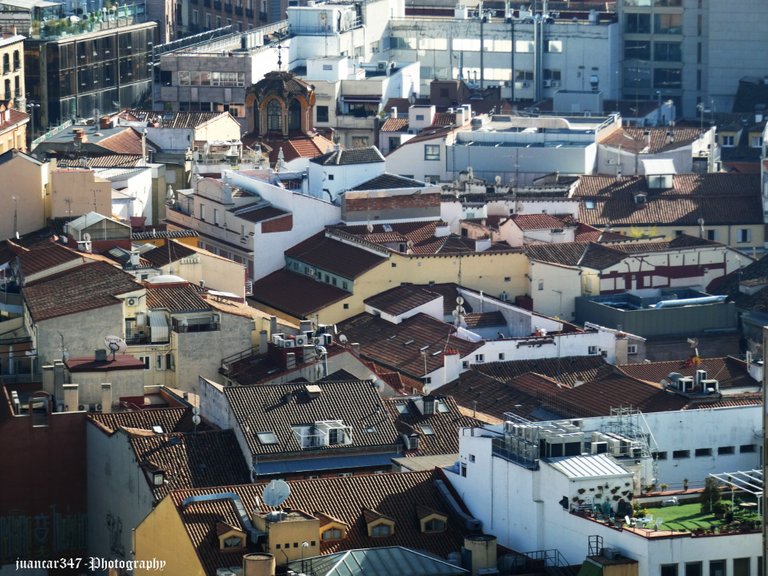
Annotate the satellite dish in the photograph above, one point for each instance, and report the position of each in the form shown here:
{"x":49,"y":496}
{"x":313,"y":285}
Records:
{"x":343,"y":338}
{"x":115,"y":344}
{"x":459,"y":300}
{"x":196,"y":419}
{"x":195,"y":410}
{"x":320,"y":351}
{"x":693,"y":342}
{"x":86,"y":237}
{"x":369,"y":227}
{"x":276,"y":492}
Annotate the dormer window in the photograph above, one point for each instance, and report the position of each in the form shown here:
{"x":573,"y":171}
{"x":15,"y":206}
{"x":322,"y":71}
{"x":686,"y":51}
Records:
{"x":332,"y":534}
{"x":230,"y":538}
{"x":380,"y":530}
{"x":379,"y":525}
{"x":435,"y":524}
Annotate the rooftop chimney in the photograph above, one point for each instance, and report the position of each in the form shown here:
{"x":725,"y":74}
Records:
{"x":71,"y":397}
{"x":106,"y":398}
{"x":394,"y":113}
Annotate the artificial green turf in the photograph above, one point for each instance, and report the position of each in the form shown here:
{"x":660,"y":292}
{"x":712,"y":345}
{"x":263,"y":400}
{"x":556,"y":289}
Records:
{"x":685,"y":517}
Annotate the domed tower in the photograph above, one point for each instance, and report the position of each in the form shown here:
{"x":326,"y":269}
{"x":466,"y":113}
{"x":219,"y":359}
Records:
{"x":280,"y":105}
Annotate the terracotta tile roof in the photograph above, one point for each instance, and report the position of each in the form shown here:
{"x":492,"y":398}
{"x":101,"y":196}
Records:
{"x":163,"y":255}
{"x":173,"y":119}
{"x":127,"y":141}
{"x":331,"y":255}
{"x":438,"y":432}
{"x":176,"y":299}
{"x":278,"y":407}
{"x":388,"y":181}
{"x":421,"y":236}
{"x":399,"y":346}
{"x":87,"y":287}
{"x":395,"y":125}
{"x":401,"y":299}
{"x":107,"y":161}
{"x":296,"y":294}
{"x":196,"y":460}
{"x":754,"y":274}
{"x":15,"y":117}
{"x":485,"y":320}
{"x":564,"y":253}
{"x":444,"y":119}
{"x":259,"y":213}
{"x":730,"y":372}
{"x":369,"y":155}
{"x":569,"y":370}
{"x":597,"y":397}
{"x":587,"y":233}
{"x":169,"y":419}
{"x":652,"y":140}
{"x":152,"y":234}
{"x":44,"y":256}
{"x":537,"y":221}
{"x":717,"y":198}
{"x":394,"y":495}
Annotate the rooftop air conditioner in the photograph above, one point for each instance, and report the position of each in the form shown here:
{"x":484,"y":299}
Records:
{"x":301,"y":340}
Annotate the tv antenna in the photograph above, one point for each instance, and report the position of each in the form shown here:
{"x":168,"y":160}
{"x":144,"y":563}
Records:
{"x":275,"y":493}
{"x":115,"y":344}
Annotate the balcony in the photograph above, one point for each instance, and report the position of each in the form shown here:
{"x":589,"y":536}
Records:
{"x":249,"y":12}
{"x":238,"y":10}
{"x":228,"y":8}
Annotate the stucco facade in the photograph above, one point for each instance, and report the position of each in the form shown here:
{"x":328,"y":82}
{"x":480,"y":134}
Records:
{"x":24,"y":203}
{"x":78,"y":191}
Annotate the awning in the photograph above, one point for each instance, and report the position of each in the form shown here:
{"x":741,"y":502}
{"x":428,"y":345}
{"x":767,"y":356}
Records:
{"x":373,"y":99}
{"x":158,"y":326}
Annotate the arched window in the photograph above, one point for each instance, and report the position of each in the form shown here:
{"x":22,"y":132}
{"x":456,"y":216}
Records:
{"x":16,"y":60}
{"x":274,"y":116}
{"x":294,"y":115}
{"x":6,"y":63}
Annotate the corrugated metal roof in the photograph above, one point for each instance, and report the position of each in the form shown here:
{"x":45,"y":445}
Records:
{"x":592,"y":466}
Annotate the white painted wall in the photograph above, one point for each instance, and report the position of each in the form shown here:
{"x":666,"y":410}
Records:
{"x":325,"y":180}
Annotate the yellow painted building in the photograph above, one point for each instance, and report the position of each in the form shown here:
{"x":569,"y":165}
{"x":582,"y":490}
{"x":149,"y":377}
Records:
{"x":22,"y":204}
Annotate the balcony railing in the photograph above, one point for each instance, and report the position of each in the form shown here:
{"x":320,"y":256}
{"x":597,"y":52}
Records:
{"x":180,"y":326}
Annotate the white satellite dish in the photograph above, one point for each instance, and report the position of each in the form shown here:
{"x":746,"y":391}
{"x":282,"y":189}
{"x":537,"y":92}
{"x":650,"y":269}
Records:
{"x":343,"y":339}
{"x":115,"y":344}
{"x":86,"y":237}
{"x":459,"y":300}
{"x":196,"y":419}
{"x":276,"y":492}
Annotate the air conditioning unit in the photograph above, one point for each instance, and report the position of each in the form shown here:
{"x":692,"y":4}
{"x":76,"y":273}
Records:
{"x":289,"y":343}
{"x":301,"y":340}
{"x":555,"y":84}
{"x":132,"y":301}
{"x":382,"y":65}
{"x":547,"y":83}
{"x":327,"y":339}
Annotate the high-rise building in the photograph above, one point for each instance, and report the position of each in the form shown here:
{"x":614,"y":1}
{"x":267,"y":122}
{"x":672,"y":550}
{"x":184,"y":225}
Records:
{"x":691,"y":51}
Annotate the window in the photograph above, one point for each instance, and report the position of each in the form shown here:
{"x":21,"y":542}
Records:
{"x":463,"y":469}
{"x":632,"y":349}
{"x":501,"y":356}
{"x":726,"y":140}
{"x":471,"y":457}
{"x":668,"y":570}
{"x":637,"y":50}
{"x":202,"y":212}
{"x":267,"y":437}
{"x":668,"y":23}
{"x":541,"y":284}
{"x":432,"y":152}
{"x":145,"y":360}
{"x":381,"y":530}
{"x":159,"y":362}
{"x":724,"y":450}
{"x":274,"y":116}
{"x":589,"y":204}
{"x":331,"y":534}
{"x":744,"y":235}
{"x":420,"y":117}
{"x":717,"y":568}
{"x":666,"y":78}
{"x":668,"y":52}
{"x":678,"y":454}
{"x":712,"y":235}
{"x":359,"y":141}
{"x":747,"y":448}
{"x":465,"y":364}
{"x":434,"y":525}
{"x":427,"y":430}
{"x":345,"y":306}
{"x":693,"y":569}
{"x":479,"y":357}
{"x":659,"y":455}
{"x":741,"y":566}
{"x":699,"y":452}
{"x":523,"y":46}
{"x":756,"y":142}
{"x":637,"y":24}
{"x":322,"y":113}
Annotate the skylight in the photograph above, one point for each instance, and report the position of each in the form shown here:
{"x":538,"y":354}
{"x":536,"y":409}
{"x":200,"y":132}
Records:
{"x":157,"y":429}
{"x":267,"y":438}
{"x":402,"y":408}
{"x":442,"y":406}
{"x":589,"y":204}
{"x":427,"y":430}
